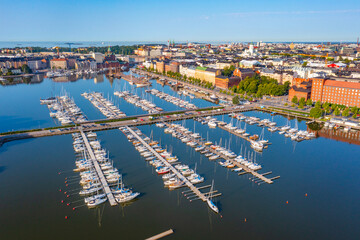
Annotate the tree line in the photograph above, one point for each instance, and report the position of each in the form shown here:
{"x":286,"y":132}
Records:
{"x":260,"y":86}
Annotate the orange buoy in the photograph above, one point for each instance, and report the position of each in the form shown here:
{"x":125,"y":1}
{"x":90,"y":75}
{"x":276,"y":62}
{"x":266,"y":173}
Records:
{"x":67,"y":195}
{"x":66,"y":217}
{"x":287,"y":202}
{"x":65,"y":181}
{"x":64,"y":192}
{"x":245,"y":219}
{"x":66,"y":185}
{"x":73,"y":209}
{"x":305,"y":194}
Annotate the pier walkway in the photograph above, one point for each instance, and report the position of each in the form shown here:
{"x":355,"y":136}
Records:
{"x":167,"y":164}
{"x":99,"y":172}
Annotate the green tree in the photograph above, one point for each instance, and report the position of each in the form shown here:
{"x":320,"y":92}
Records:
{"x":309,"y":102}
{"x":294,"y":100}
{"x":235,"y":100}
{"x":354,"y":110}
{"x":354,"y":115}
{"x":327,"y":109}
{"x":302,"y":101}
{"x":318,"y":104}
{"x":316,"y":112}
{"x":337,"y":111}
{"x":304,"y":64}
{"x":227,"y":71}
{"x":346,"y":112}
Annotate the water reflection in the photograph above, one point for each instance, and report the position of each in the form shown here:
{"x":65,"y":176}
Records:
{"x":352,"y":136}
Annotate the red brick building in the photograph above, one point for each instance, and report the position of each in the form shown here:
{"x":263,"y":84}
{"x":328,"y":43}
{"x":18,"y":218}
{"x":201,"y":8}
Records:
{"x":300,"y":89}
{"x":338,"y":92}
{"x":226,"y":82}
{"x":242,"y":73}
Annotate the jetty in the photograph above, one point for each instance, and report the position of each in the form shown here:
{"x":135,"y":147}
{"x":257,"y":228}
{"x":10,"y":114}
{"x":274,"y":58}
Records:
{"x":99,"y":172}
{"x":194,"y":189}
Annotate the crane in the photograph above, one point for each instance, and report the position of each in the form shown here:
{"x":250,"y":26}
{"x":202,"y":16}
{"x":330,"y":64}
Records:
{"x":69,"y":43}
{"x":57,"y":49}
{"x":326,"y":58}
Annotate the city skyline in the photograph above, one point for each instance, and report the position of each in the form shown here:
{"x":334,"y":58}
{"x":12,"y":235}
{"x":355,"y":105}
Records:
{"x":231,"y":21}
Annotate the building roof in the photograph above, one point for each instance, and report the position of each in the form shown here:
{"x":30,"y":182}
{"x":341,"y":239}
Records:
{"x":297,"y":89}
{"x":342,"y":84}
{"x":201,"y":68}
{"x":58,"y":59}
{"x":211,"y":70}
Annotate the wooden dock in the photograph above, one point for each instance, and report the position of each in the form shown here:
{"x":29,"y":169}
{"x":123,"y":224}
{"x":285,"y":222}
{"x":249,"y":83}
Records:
{"x":167,"y":164}
{"x":99,"y":172}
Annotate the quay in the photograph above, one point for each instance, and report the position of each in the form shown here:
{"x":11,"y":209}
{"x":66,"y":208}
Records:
{"x":99,"y":172}
{"x":138,"y":81}
{"x":196,"y":191}
{"x":106,"y":124}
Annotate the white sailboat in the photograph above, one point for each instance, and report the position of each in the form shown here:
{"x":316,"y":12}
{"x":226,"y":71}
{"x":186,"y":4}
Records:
{"x":210,"y":202}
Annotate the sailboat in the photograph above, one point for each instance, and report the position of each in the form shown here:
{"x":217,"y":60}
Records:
{"x":210,"y":203}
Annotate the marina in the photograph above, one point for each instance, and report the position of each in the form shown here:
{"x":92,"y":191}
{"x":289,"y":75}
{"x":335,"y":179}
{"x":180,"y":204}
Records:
{"x":177,"y":101}
{"x":179,"y":176}
{"x":215,"y":152}
{"x":244,"y":196}
{"x":137,"y":101}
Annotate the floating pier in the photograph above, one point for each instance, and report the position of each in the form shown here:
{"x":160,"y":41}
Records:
{"x":99,"y":172}
{"x":167,"y":164}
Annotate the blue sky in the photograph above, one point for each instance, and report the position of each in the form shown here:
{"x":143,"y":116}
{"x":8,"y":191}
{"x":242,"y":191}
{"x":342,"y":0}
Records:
{"x":154,"y":20}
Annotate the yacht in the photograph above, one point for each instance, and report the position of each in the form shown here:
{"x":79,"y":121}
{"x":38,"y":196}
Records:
{"x":121,"y":198}
{"x":212,"y":124}
{"x":257,"y":146}
{"x":96,"y":202}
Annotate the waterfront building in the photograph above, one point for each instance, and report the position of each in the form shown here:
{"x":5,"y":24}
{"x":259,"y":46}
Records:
{"x":300,"y":89}
{"x":173,"y":67}
{"x":207,"y":74}
{"x":225,"y":82}
{"x":58,"y":63}
{"x":85,"y":64}
{"x":37,"y":64}
{"x":188,"y":71}
{"x":339,"y":91}
{"x":160,"y":66}
{"x":99,"y":57}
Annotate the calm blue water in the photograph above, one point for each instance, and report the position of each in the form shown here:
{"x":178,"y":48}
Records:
{"x":30,"y":206}
{"x":49,"y":44}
